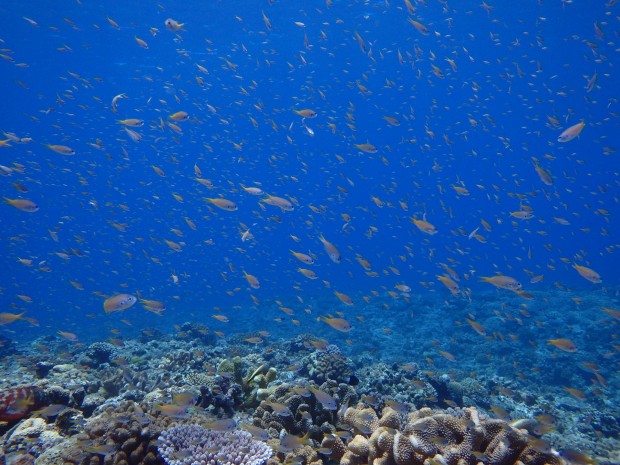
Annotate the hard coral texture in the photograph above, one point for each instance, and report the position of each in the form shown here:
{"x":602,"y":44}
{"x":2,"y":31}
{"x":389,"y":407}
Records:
{"x":196,"y":445}
{"x":426,"y":436}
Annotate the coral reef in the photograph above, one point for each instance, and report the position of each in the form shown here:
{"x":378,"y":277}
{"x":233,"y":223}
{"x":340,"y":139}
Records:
{"x":296,"y":410}
{"x":329,"y":364}
{"x":196,"y":445}
{"x":426,"y":436}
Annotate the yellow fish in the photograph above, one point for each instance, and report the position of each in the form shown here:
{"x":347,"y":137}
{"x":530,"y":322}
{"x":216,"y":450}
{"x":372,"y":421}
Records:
{"x":588,"y":273}
{"x":224,"y":204}
{"x":23,"y":204}
{"x":339,"y":324}
{"x":572,"y":132}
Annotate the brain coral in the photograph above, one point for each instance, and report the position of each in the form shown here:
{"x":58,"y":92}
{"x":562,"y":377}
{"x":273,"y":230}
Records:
{"x":426,"y":436}
{"x":196,"y":445}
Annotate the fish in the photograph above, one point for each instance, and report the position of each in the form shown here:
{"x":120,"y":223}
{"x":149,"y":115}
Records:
{"x":118,"y":303}
{"x":61,"y":149}
{"x":421,"y":28}
{"x":327,"y":401}
{"x":283,"y":204}
{"x":310,"y":274}
{"x":571,"y":132}
{"x":424,"y":226}
{"x":51,"y":410}
{"x":152,"y":305}
{"x":252,"y":280}
{"x":252,"y":190}
{"x":6,"y":318}
{"x":222,"y":424}
{"x":279,"y":408}
{"x":132,"y":122}
{"x":302,"y":257}
{"x":332,"y":252}
{"x":172,"y":410}
{"x":306,"y":113}
{"x":339,"y":324}
{"x":67,"y":335}
{"x":24,"y":205}
{"x":17,"y":402}
{"x":257,"y":432}
{"x":503,"y":282}
{"x":522,"y":214}
{"x":173,"y":26}
{"x":179,"y":116}
{"x":223,"y":204}
{"x":368,"y":148}
{"x":290,"y":442}
{"x":578,"y":394}
{"x":476,"y":327}
{"x":588,"y":273}
{"x":450,"y":284}
{"x":345,"y":299}
{"x":563,"y":344}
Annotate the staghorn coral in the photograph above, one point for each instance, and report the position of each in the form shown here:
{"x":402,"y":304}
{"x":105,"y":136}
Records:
{"x":426,"y":436}
{"x":196,"y":445}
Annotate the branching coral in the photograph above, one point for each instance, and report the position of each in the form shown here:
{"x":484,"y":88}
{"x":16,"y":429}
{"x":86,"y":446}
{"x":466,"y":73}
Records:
{"x":196,"y":445}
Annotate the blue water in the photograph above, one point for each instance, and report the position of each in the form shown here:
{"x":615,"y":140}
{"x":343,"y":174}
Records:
{"x":477,"y":127}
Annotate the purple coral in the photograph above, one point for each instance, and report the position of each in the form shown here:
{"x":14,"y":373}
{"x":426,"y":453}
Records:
{"x":196,"y":445}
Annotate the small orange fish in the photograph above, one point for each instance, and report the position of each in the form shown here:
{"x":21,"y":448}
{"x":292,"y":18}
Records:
{"x":503,"y":282}
{"x":6,"y":318}
{"x":67,"y":335}
{"x":572,"y":132}
{"x":452,"y":286}
{"x":447,"y":355}
{"x":332,"y":252}
{"x":223,"y":204}
{"x":118,"y":303}
{"x":563,"y":344}
{"x":308,"y":273}
{"x":254,"y":340}
{"x":306,"y":113}
{"x":61,"y":149}
{"x":23,"y":204}
{"x":339,"y":324}
{"x":302,"y":257}
{"x":424,"y":226}
{"x":477,"y":327}
{"x":575,"y":393}
{"x":588,"y":273}
{"x":611,"y":312}
{"x":368,"y":148}
{"x":179,"y":116}
{"x":345,"y":299}
{"x":252,"y":280}
{"x":222,"y":318}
